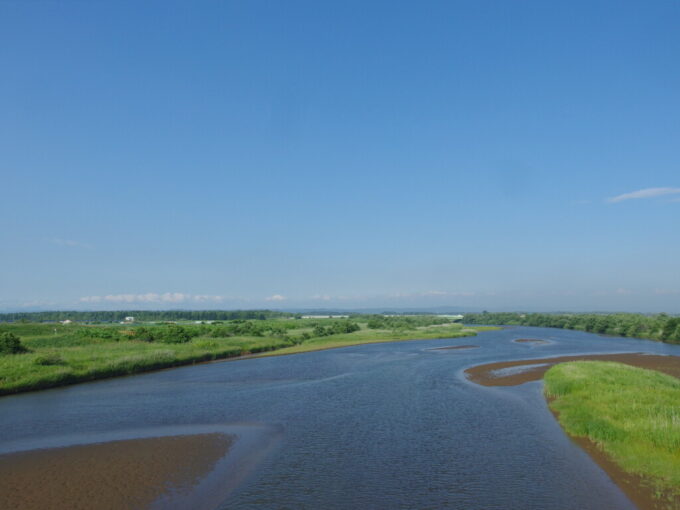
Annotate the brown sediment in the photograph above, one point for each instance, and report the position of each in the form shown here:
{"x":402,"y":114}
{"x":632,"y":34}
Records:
{"x":638,"y":488}
{"x":452,"y":347}
{"x":116,"y":475}
{"x":532,"y":370}
{"x":530,"y":341}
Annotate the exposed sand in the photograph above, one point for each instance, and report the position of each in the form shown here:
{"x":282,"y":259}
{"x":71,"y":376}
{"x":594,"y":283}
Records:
{"x":634,"y":486}
{"x":117,"y":475}
{"x":536,"y":341}
{"x":496,"y":374}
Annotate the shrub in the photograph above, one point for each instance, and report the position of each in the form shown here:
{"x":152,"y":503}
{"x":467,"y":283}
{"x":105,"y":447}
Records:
{"x":10,"y":344}
{"x":143,"y":334}
{"x":174,"y":335}
{"x":50,"y":358}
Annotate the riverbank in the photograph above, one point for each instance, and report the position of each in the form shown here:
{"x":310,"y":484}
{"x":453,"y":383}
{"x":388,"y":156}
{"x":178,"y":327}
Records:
{"x":115,"y":475}
{"x":619,"y":408}
{"x":512,"y":373}
{"x":77,"y":356}
{"x":631,"y":415}
{"x":379,"y":336}
{"x":660,"y":327}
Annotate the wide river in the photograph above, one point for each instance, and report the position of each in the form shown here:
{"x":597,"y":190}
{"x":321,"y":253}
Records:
{"x":384,"y":426}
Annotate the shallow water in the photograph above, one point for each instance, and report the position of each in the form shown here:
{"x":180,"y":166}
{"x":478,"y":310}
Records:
{"x":376,"y":426}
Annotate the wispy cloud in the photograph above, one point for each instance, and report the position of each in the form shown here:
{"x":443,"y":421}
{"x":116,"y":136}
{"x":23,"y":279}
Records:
{"x":431,"y":293}
{"x":275,"y":297}
{"x":644,"y":193}
{"x":153,"y":297}
{"x":666,"y":292}
{"x":322,"y":297}
{"x":71,"y":243}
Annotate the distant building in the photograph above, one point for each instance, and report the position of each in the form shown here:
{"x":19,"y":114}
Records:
{"x":67,"y":321}
{"x":129,"y":319}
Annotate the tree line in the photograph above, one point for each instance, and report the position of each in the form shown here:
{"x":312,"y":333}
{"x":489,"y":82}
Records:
{"x":661,"y":327}
{"x":404,"y":321}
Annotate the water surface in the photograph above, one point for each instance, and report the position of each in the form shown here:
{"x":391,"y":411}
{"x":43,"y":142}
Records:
{"x":380,"y":426}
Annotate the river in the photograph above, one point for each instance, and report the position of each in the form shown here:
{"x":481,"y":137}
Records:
{"x":384,"y":426}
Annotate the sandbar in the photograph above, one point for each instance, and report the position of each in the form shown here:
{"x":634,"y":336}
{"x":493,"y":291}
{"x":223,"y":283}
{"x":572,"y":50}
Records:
{"x":512,"y":373}
{"x":536,"y":341}
{"x":496,"y":374}
{"x":116,"y":475}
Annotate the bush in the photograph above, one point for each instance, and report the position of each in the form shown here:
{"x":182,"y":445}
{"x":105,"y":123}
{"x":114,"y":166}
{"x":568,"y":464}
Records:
{"x":143,"y":334}
{"x":174,"y":335}
{"x":50,"y":358}
{"x":11,"y":344}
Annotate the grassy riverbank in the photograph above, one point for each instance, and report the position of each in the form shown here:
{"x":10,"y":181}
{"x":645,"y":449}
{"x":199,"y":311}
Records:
{"x":367,"y":336}
{"x":631,"y":414}
{"x":55,"y":354}
{"x":660,"y":327}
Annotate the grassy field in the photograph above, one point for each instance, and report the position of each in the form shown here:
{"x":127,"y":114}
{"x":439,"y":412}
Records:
{"x":632,"y":414}
{"x":59,"y":354}
{"x":372,"y":336}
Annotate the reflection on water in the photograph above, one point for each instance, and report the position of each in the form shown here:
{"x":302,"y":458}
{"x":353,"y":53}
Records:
{"x":503,"y":372}
{"x":376,"y":426}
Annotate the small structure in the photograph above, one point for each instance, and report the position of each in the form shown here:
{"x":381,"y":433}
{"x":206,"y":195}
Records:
{"x":67,"y":321}
{"x":129,"y":319}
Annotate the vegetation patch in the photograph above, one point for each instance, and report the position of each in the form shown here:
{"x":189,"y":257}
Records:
{"x":631,"y":414}
{"x":42,"y":355}
{"x":10,"y":344}
{"x":660,"y":327}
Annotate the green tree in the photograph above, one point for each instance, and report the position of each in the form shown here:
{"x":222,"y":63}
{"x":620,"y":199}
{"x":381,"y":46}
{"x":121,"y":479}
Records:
{"x":10,"y":344}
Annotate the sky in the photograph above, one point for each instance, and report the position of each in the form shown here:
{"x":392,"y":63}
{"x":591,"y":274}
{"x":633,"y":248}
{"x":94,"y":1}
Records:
{"x":474,"y":154}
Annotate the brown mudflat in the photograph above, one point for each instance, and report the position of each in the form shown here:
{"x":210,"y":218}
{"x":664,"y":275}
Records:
{"x":512,"y":373}
{"x":536,"y":341}
{"x":634,"y":486}
{"x":117,"y":475}
{"x":455,"y":347}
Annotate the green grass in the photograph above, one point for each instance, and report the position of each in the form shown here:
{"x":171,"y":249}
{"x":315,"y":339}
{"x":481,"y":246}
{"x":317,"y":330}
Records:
{"x":47,"y":367}
{"x":370,"y":336}
{"x":632,"y":414}
{"x":66,"y":354}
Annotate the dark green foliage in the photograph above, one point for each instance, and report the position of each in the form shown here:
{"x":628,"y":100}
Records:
{"x":170,"y":334}
{"x":10,"y":344}
{"x":99,"y":333}
{"x":338,"y":327}
{"x":143,"y":334}
{"x":653,"y":327}
{"x":174,"y":334}
{"x":24,"y":329}
{"x":405,"y":321}
{"x":671,"y":331}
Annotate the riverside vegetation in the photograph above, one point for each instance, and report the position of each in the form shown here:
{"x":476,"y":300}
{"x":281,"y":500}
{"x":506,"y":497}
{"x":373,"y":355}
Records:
{"x":631,"y":414}
{"x":39,"y":355}
{"x":661,"y":327}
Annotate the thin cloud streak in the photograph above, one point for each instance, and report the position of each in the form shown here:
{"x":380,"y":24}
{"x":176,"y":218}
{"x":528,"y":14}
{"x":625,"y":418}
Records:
{"x":275,"y":297}
{"x":71,"y":243}
{"x":153,"y":297}
{"x":644,"y":193}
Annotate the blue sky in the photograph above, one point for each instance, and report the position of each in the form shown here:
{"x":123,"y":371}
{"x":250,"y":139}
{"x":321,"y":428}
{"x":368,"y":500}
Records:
{"x":498,"y":155}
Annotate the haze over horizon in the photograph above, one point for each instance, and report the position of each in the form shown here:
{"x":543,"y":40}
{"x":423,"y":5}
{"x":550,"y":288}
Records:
{"x":480,"y":155}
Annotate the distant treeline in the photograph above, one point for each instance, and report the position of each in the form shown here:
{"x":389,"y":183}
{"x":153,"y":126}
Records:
{"x":145,"y":315}
{"x":403,"y":321}
{"x":660,"y":327}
